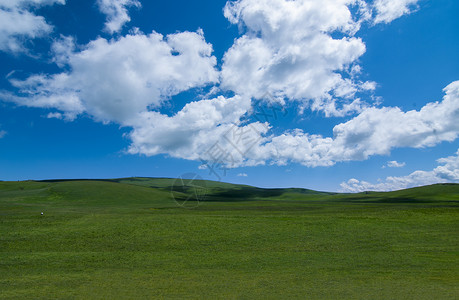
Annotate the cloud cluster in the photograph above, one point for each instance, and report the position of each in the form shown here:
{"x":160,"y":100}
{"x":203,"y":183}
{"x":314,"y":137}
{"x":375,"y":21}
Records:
{"x":115,"y":80}
{"x":447,"y":171}
{"x":196,"y":132}
{"x":388,"y":10}
{"x":376,"y":131}
{"x":116,"y":12}
{"x":303,"y":51}
{"x":290,"y":51}
{"x":18,"y":23}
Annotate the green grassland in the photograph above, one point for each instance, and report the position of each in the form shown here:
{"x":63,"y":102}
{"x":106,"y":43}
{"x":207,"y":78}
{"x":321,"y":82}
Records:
{"x":128,"y":238}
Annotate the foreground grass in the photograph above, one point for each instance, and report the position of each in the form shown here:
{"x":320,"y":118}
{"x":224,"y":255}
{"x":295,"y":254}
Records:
{"x":129,"y":239}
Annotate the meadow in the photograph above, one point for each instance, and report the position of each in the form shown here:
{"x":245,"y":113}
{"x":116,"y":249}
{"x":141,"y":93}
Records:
{"x":134,"y":238}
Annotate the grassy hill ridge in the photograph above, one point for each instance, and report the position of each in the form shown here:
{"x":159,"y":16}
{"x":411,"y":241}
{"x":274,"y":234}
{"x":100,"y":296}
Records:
{"x":449,"y":189}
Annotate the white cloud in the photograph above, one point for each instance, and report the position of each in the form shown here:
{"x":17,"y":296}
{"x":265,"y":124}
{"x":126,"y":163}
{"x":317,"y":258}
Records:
{"x":62,"y":49}
{"x":388,"y":10}
{"x":394,"y":164}
{"x":201,"y":130}
{"x":288,"y":50}
{"x":18,"y":22}
{"x":200,"y":125}
{"x":115,"y":80}
{"x":447,"y":171}
{"x":376,"y":131}
{"x":116,"y":12}
{"x":242,"y":175}
{"x":2,"y":133}
{"x":119,"y":80}
{"x":55,"y":115}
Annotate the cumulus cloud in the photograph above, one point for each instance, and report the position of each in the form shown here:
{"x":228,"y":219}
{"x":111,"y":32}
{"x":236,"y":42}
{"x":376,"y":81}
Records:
{"x":376,"y":131}
{"x":195,"y":132}
{"x":143,"y":79}
{"x":242,"y":175}
{"x":447,"y":171}
{"x":211,"y":131}
{"x":116,"y":12}
{"x":394,"y":164}
{"x":388,"y":10}
{"x":115,"y":80}
{"x":288,"y":50}
{"x":18,"y":22}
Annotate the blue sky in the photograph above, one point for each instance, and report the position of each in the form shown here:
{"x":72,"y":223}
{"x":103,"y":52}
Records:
{"x":336,"y":95}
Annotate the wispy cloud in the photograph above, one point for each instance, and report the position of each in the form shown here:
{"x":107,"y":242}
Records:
{"x":18,"y":22}
{"x":116,"y":12}
{"x":388,"y":10}
{"x":55,"y":115}
{"x":394,"y":164}
{"x":446,"y":171}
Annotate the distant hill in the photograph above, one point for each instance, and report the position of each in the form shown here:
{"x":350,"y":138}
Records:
{"x":140,"y":190}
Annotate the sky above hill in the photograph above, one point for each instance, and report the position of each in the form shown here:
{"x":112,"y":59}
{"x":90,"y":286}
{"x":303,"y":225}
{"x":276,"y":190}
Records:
{"x":336,"y":95}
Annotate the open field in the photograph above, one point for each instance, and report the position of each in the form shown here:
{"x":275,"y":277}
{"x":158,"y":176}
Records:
{"x":128,"y":238}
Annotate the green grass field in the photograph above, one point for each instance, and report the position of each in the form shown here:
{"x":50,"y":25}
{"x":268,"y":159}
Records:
{"x":128,"y":238}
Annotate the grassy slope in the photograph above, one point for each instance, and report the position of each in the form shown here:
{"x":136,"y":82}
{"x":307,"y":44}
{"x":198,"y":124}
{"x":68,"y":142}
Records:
{"x":127,"y":238}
